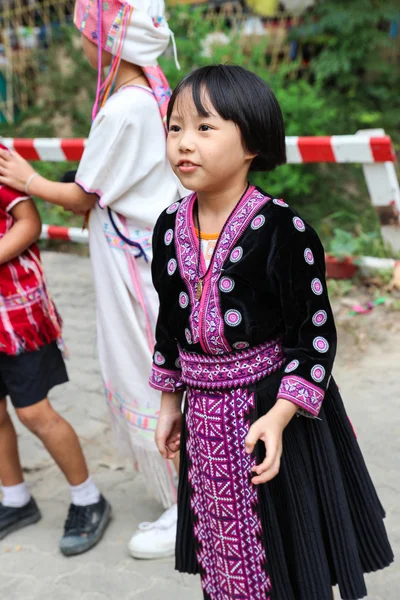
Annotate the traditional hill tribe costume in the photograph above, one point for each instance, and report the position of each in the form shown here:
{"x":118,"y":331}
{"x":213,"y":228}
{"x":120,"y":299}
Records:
{"x":28,"y":317}
{"x":253,"y":326}
{"x":31,"y":364}
{"x":125,"y":164}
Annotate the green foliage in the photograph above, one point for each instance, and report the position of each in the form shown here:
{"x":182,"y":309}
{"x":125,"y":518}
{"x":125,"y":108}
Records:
{"x":349,"y":84}
{"x":66,"y":87}
{"x":354,"y":61}
{"x":338,"y":288}
{"x":345,"y":243}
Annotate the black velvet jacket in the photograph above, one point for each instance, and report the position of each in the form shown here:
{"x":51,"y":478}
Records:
{"x":266,"y":281}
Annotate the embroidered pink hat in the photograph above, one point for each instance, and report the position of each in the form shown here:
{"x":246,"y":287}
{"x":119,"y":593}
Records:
{"x":131,"y":30}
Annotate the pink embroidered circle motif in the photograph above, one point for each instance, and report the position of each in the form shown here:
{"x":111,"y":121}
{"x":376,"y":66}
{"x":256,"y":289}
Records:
{"x":171,"y":268}
{"x":320,"y":344}
{"x":258,"y":222}
{"x":232,"y":318}
{"x":318,"y":373}
{"x":158,"y":358}
{"x":183,"y":300}
{"x":236,"y":254}
{"x":188,"y":336}
{"x":226,"y":284}
{"x":173,"y":208}
{"x":299,"y":224}
{"x":319,"y":318}
{"x":316,"y":286}
{"x":308,"y":256}
{"x":241,"y":345}
{"x":280,"y":202}
{"x":168,"y":237}
{"x":292,"y":366}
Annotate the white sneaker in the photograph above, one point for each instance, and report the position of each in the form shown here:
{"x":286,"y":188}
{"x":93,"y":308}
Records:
{"x":156,"y":540}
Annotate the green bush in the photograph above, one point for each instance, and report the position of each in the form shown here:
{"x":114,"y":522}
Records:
{"x":347,"y":86}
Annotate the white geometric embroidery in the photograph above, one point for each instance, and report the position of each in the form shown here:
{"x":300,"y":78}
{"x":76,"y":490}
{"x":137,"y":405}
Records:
{"x":241,"y":345}
{"x":299,"y":224}
{"x":236,"y":254}
{"x":319,"y":318}
{"x":232,"y":318}
{"x":173,"y":208}
{"x":292,"y":366}
{"x":316,"y":286}
{"x":168,"y":237}
{"x":308,"y":256}
{"x":171,"y":267}
{"x":279,"y":202}
{"x":258,"y":222}
{"x":318,"y":373}
{"x":188,"y":336}
{"x":183,"y":300}
{"x":320,"y":344}
{"x":159,"y":358}
{"x":226,"y":284}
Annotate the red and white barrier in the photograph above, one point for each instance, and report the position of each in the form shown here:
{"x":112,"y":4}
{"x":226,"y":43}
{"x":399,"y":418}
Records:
{"x":335,"y":149}
{"x":370,"y":148}
{"x":66,"y":234}
{"x":47,"y":149}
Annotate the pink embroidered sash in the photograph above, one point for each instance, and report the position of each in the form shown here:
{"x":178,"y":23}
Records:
{"x":233,"y":369}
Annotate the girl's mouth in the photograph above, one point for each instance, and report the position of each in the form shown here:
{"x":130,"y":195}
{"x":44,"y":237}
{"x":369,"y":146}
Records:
{"x":186,"y":166}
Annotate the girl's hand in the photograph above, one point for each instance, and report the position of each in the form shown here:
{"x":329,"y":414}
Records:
{"x":168,"y":432}
{"x":14,"y":170}
{"x":269,"y":429}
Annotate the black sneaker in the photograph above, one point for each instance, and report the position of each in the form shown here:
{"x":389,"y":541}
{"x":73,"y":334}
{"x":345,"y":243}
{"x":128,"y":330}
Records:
{"x":84,"y":527}
{"x":12,"y":518}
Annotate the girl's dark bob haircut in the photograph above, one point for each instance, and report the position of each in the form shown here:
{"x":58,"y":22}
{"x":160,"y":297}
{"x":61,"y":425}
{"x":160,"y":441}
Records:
{"x":240,"y":96}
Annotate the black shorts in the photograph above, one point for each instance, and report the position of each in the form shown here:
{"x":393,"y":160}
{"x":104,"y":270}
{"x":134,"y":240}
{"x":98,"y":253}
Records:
{"x":27,"y":378}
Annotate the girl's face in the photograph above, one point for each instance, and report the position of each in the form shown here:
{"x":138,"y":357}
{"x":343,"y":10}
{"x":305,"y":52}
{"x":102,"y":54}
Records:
{"x":206,"y":153}
{"x":91,"y":53}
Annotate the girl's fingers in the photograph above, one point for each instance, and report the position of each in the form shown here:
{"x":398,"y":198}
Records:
{"x":267,"y":475}
{"x":252,"y":437}
{"x":161,"y":441}
{"x":173,"y":445}
{"x":266,"y":464}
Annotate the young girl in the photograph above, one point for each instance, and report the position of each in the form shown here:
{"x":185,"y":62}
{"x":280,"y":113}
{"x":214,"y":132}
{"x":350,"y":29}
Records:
{"x":270,"y":506}
{"x":125,"y":180}
{"x":31,"y":364}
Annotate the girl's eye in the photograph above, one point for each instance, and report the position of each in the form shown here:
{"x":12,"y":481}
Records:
{"x":205,"y":128}
{"x":174,"y":128}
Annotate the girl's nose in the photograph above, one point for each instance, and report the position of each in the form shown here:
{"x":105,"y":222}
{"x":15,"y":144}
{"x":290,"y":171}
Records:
{"x":186,"y":143}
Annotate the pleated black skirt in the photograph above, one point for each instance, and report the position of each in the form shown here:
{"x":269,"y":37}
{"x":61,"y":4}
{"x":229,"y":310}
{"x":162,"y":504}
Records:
{"x":319,"y":522}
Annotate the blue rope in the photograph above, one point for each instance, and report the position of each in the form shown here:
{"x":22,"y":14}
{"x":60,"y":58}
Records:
{"x":127,"y":240}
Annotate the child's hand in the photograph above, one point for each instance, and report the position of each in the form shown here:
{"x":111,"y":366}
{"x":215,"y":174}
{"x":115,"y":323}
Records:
{"x":14,"y":170}
{"x":269,"y":429}
{"x":168,"y":432}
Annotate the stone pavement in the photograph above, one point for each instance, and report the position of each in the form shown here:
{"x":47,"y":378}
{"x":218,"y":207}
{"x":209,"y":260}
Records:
{"x":31,"y":567}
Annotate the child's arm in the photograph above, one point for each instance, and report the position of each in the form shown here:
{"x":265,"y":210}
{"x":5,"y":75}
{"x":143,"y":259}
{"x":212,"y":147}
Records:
{"x":25,"y":231}
{"x":309,"y":340}
{"x":169,"y":424}
{"x":269,"y":429}
{"x":15,"y":172}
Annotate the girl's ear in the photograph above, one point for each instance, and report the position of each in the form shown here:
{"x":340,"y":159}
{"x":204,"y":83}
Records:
{"x":250,"y":156}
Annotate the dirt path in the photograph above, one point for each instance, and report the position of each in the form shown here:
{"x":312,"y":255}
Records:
{"x":367,"y":370}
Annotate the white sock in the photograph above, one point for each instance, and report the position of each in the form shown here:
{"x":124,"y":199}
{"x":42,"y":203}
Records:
{"x":85,"y":493}
{"x":16,"y":495}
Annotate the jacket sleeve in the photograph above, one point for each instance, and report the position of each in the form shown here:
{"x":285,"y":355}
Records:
{"x":309,"y":340}
{"x":166,"y":372}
